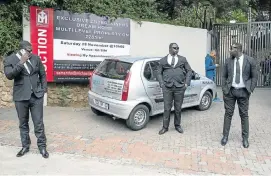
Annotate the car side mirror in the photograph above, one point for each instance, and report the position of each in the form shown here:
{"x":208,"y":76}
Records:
{"x":196,"y":77}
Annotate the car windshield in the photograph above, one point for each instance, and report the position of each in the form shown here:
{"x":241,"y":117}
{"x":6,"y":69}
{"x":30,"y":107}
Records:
{"x":113,"y":69}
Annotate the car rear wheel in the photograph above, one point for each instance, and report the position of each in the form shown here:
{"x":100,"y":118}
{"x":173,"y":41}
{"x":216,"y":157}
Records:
{"x":138,"y":118}
{"x":206,"y":101}
{"x":97,"y":112}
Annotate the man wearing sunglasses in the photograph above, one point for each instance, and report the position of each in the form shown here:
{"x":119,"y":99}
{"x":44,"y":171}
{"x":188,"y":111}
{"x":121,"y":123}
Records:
{"x":28,"y":73}
{"x":174,"y":76}
{"x":239,"y":79}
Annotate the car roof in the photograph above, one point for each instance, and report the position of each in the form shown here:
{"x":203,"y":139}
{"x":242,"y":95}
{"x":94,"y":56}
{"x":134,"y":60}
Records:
{"x":132,"y":59}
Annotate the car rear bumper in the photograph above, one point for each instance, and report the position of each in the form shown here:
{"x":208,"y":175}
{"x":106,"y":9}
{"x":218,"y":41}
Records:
{"x":116,"y":108}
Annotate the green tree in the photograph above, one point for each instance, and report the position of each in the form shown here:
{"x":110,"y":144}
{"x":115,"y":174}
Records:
{"x":10,"y":26}
{"x":11,"y":14}
{"x":193,"y":13}
{"x":259,"y":7}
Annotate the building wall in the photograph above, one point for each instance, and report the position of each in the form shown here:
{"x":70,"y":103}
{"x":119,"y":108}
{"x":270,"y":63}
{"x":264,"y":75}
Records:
{"x":152,"y":39}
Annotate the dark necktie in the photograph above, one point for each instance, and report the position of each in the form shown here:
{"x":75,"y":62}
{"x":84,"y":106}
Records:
{"x":237,"y":76}
{"x":29,"y":66}
{"x":173,"y":61}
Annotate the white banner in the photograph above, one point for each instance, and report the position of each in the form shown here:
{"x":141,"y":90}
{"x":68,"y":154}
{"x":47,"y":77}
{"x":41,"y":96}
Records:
{"x":87,"y":51}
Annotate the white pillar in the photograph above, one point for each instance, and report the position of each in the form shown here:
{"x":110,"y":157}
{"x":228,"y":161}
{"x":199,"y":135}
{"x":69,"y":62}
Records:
{"x":26,"y":36}
{"x":45,"y":99}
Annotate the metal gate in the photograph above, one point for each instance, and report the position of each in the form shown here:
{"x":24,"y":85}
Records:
{"x":256,"y":40}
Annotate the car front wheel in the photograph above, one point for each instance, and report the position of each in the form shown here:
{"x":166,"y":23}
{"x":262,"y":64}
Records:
{"x":206,"y":101}
{"x":138,"y":118}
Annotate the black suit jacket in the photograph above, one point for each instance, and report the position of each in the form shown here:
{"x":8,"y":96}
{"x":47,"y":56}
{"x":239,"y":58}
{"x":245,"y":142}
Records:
{"x":249,"y":74}
{"x":185,"y":72}
{"x":23,"y":81}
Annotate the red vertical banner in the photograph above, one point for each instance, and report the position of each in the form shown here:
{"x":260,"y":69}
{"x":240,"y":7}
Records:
{"x":42,"y":37}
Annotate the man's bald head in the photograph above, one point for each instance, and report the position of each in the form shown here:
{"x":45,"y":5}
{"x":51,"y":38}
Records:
{"x":213,"y":53}
{"x":25,"y":45}
{"x":236,"y":50}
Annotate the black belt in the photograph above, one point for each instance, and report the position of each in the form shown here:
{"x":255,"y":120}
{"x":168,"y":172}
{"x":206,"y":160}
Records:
{"x":237,"y":88}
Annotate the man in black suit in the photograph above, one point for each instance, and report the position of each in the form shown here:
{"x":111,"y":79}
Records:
{"x":174,"y":75}
{"x":239,"y":79}
{"x":28,"y":73}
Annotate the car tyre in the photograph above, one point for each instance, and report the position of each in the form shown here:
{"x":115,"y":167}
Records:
{"x":97,"y":112}
{"x":206,"y":101}
{"x":138,"y":118}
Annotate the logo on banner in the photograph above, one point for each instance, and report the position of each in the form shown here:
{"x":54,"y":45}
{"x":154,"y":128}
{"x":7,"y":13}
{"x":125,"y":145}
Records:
{"x":42,"y":17}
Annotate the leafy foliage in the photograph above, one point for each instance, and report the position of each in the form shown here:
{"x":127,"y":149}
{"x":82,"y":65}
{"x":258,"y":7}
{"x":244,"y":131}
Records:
{"x":192,"y":13}
{"x":10,"y":26}
{"x":261,"y":6}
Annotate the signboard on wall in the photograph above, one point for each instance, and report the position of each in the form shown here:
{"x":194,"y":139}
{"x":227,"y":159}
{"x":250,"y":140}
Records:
{"x":71,"y":45}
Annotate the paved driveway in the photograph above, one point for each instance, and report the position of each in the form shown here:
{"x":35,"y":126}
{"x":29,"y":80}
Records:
{"x":198,"y":150}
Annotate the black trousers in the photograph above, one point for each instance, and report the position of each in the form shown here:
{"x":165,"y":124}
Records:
{"x":172,"y":94}
{"x":242,"y":98}
{"x":35,"y":105}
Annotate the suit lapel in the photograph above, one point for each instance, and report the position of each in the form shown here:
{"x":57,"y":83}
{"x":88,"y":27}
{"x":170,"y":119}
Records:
{"x":232,"y":66}
{"x":17,"y":58}
{"x":32,"y":64}
{"x":165,"y":61}
{"x":33,"y":61}
{"x":244,"y":63}
{"x":178,"y":61}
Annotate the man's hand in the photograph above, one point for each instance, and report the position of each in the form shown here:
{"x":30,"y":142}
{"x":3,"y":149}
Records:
{"x":25,"y":57}
{"x":186,"y":85}
{"x":217,"y":65}
{"x":162,"y":85}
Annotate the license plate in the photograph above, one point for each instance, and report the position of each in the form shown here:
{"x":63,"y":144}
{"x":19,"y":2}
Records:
{"x":101,"y":104}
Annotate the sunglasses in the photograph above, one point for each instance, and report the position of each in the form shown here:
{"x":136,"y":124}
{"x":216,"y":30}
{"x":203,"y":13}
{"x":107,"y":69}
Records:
{"x":234,"y":47}
{"x":176,"y":48}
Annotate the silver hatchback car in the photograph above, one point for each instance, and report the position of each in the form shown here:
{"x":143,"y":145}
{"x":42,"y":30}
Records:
{"x":127,"y":88}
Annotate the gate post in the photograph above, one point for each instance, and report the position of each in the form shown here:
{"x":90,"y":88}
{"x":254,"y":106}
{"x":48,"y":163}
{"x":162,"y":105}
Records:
{"x":249,"y":33}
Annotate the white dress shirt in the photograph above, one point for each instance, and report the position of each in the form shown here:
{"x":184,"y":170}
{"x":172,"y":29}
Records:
{"x":169,"y":59}
{"x":241,"y":84}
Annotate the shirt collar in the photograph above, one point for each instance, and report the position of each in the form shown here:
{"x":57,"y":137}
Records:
{"x":169,"y":55}
{"x":241,"y":57}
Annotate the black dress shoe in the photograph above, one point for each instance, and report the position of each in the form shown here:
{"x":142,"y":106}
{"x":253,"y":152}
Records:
{"x":179,"y":129}
{"x":163,"y":131}
{"x":224,"y":140}
{"x":245,"y":143}
{"x":44,"y":153}
{"x":22,"y":152}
